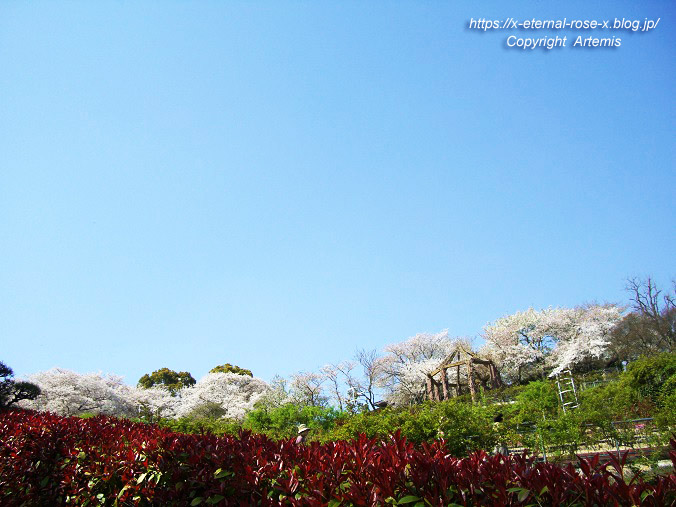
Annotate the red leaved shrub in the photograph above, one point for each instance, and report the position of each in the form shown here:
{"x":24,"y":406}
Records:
{"x":51,"y":460}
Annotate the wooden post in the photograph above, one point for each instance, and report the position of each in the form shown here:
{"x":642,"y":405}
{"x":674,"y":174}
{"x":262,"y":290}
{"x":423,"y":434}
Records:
{"x":498,"y":379}
{"x":429,"y":388}
{"x":437,"y":386}
{"x":470,"y":379}
{"x":444,"y":383}
{"x":457,"y":380}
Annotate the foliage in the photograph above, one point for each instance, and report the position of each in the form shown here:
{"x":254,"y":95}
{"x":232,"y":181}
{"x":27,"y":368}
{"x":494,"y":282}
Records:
{"x":283,"y":421}
{"x":610,"y":402}
{"x":208,"y":410}
{"x":169,"y":379}
{"x":538,"y":401}
{"x":464,"y":426}
{"x":12,"y":391}
{"x":230,"y":368}
{"x":653,"y":377}
{"x":202,"y":425}
{"x":49,"y":460}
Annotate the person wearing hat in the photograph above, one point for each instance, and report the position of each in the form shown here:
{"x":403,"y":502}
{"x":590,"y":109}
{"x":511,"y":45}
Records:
{"x":302,"y":433}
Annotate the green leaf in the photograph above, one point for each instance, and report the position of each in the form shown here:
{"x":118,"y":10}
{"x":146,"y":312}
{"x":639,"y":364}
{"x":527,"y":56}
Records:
{"x":334,"y":503}
{"x":524,"y":494}
{"x":44,"y":482}
{"x":544,"y":490}
{"x":196,"y":501}
{"x":215,"y":499}
{"x":220,"y":473}
{"x":141,"y":478}
{"x":119,"y":495}
{"x":408,"y":499}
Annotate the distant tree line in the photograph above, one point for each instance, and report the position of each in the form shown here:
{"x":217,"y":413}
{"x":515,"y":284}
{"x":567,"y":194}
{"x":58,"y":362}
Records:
{"x":527,"y":345}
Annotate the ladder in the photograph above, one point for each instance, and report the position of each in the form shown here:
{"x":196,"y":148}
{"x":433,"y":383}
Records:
{"x":567,"y":392}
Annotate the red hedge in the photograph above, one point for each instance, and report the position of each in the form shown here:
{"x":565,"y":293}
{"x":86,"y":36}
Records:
{"x":51,"y":460}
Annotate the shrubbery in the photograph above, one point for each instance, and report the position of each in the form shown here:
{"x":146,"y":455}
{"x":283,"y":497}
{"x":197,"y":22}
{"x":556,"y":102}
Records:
{"x":530,"y":417}
{"x":51,"y":460}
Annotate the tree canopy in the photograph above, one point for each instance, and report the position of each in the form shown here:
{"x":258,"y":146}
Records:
{"x":230,"y":368}
{"x":164,"y":377}
{"x":11,"y":391}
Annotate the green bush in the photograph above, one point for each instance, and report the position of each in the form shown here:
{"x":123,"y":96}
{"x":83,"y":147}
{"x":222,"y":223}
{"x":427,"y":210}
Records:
{"x":282,"y":422}
{"x":530,"y":415}
{"x":463,"y":425}
{"x":653,"y":377}
{"x":537,"y":401}
{"x":202,"y":425}
{"x":614,"y":401}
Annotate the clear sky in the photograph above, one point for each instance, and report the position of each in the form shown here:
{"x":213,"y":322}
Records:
{"x":275,"y":184}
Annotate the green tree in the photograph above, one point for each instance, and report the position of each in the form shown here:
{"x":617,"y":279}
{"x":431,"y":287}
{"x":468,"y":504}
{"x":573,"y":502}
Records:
{"x":283,"y":421}
{"x":208,"y":410}
{"x":167,"y":378}
{"x":537,"y":401}
{"x":230,"y":368}
{"x":653,"y":377}
{"x":12,"y":391}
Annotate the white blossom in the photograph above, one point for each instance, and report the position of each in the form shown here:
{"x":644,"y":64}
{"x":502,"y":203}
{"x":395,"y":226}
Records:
{"x":583,"y":333}
{"x":236,"y":394}
{"x":406,"y":364}
{"x":156,"y":401}
{"x":66,"y":392}
{"x":527,"y":343}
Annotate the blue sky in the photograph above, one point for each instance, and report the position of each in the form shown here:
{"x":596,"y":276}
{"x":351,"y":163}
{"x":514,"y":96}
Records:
{"x":275,"y":184}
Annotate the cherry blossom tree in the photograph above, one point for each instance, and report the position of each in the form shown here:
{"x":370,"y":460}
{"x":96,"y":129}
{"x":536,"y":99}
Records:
{"x":528,"y":344}
{"x":519,"y":343}
{"x":277,"y":394}
{"x":307,"y":389}
{"x":337,"y":376}
{"x":66,"y":392}
{"x":583,"y":335}
{"x":154,"y":402}
{"x":236,"y":394}
{"x":404,"y":368}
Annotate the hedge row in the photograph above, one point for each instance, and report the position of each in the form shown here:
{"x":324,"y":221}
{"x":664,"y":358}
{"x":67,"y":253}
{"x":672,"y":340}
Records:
{"x":51,"y":460}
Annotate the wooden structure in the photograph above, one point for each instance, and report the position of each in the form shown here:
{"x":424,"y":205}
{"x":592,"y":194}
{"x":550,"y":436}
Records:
{"x":463,"y":365}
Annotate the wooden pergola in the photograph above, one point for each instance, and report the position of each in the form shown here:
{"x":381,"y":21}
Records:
{"x":461,"y":359}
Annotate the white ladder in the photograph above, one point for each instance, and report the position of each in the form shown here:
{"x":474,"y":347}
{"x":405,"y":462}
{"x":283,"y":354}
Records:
{"x":567,"y":391}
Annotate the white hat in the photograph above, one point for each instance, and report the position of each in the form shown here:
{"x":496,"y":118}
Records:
{"x":302,"y":428}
